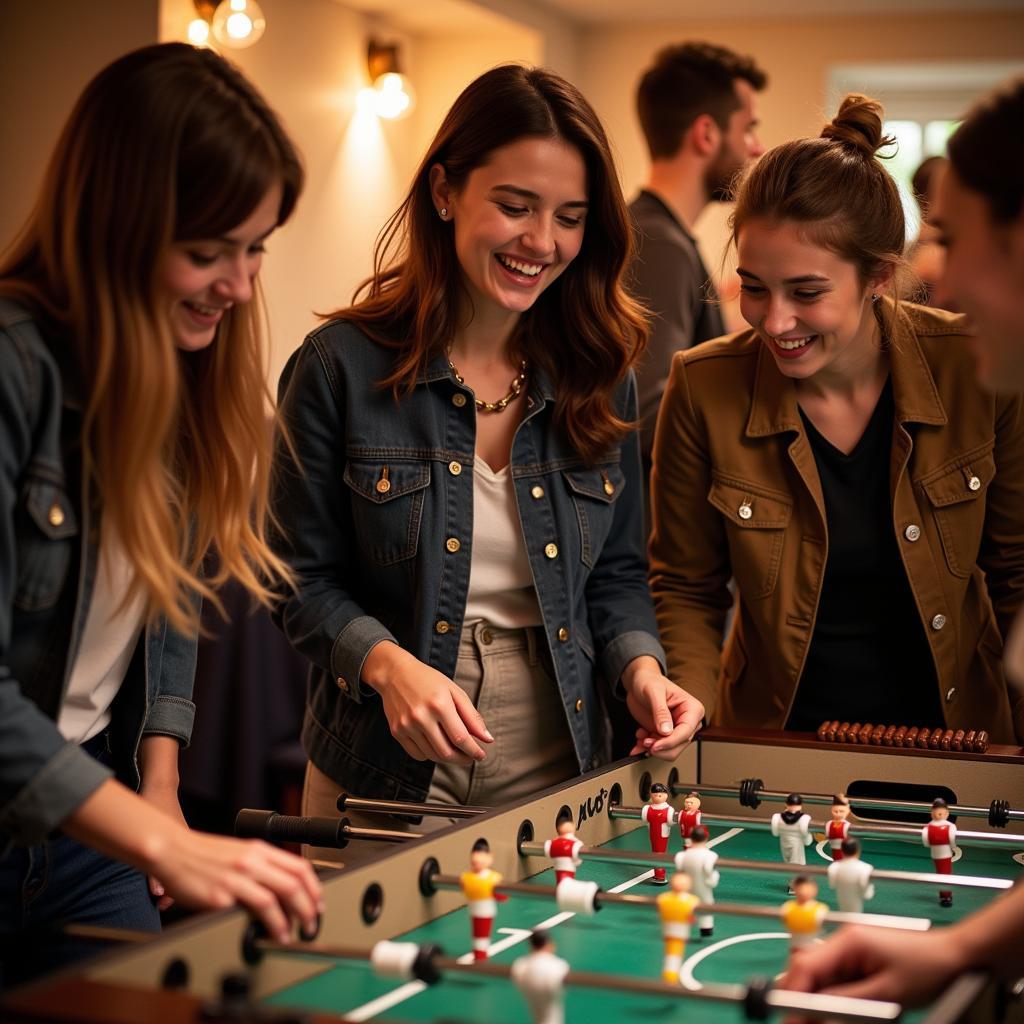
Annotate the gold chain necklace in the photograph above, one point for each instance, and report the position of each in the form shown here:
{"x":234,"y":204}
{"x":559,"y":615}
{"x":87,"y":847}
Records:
{"x":502,"y":403}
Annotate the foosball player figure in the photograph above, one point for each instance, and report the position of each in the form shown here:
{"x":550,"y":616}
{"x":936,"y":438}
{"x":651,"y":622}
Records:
{"x":803,"y":915}
{"x":540,"y":977}
{"x":698,"y":861}
{"x":850,"y":877}
{"x":564,"y":850}
{"x":838,"y":828}
{"x":660,"y":816}
{"x":478,"y":886}
{"x":676,"y":910}
{"x":689,"y":816}
{"x":939,"y":835}
{"x":793,"y":827}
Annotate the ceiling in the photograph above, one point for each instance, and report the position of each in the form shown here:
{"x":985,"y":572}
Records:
{"x":609,"y":11}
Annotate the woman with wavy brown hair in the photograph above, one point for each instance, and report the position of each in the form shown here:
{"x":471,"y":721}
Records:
{"x":465,"y":529}
{"x":132,"y":444}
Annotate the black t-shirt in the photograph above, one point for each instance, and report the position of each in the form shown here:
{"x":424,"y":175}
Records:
{"x":869,"y":659}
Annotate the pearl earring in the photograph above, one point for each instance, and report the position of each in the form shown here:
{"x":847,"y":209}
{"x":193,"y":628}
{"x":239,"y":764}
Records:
{"x":444,"y":212}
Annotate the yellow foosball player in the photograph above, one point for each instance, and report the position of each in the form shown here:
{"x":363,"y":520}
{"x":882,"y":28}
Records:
{"x":478,"y":886}
{"x":804,"y":914}
{"x":676,"y":909}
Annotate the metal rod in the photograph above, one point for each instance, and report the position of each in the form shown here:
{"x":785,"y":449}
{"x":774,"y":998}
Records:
{"x":823,"y":800}
{"x":364,"y":806}
{"x":917,"y":924}
{"x":380,"y":835}
{"x":653,"y":860}
{"x":803,"y":1004}
{"x":860,"y":829}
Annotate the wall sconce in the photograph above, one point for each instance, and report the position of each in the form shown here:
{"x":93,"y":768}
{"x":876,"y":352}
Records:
{"x":393,"y":96}
{"x":233,"y":23}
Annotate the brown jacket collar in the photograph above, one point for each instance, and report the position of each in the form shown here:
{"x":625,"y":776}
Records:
{"x":773,"y":409}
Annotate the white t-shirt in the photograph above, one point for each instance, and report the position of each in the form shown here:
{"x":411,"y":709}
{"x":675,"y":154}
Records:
{"x":501,"y":589}
{"x":108,"y":643}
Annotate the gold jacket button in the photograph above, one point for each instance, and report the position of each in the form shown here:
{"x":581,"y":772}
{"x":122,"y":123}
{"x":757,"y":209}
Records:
{"x":537,"y":491}
{"x":912,"y":532}
{"x":452,"y":544}
{"x":458,"y":399}
{"x":579,"y":705}
{"x":745,"y":511}
{"x":55,"y":515}
{"x":551,"y":550}
{"x":455,"y":468}
{"x":938,"y":621}
{"x":383,"y":486}
{"x":563,"y":634}
{"x":441,"y":626}
{"x":974,"y":483}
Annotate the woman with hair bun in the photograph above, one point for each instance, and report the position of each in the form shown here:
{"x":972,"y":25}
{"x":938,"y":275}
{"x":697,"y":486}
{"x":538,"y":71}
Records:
{"x":464,"y":515}
{"x":840,"y":462}
{"x":132,"y":443}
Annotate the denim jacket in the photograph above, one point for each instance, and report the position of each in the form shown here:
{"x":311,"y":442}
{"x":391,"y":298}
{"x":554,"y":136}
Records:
{"x":48,"y":555}
{"x":381,"y":489}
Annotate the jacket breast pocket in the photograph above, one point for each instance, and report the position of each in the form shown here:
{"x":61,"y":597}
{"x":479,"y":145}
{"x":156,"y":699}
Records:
{"x":594,"y":494}
{"x":956,"y":493}
{"x":755,"y":522}
{"x":45,"y":526}
{"x":387,"y":506}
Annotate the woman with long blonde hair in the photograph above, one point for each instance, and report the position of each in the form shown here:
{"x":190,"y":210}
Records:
{"x":132,"y":444}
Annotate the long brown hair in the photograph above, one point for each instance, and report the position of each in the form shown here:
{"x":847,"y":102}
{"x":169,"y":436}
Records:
{"x":168,"y":143}
{"x":835,"y":188}
{"x":584,"y":331}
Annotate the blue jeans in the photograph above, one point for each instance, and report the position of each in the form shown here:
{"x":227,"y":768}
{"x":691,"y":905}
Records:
{"x":45,"y":886}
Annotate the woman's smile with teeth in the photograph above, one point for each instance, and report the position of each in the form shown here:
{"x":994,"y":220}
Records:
{"x":792,"y":343}
{"x":205,"y":310}
{"x":529,"y":269}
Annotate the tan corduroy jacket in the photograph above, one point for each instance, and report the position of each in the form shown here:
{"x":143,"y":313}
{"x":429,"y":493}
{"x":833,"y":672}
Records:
{"x":735,"y":493}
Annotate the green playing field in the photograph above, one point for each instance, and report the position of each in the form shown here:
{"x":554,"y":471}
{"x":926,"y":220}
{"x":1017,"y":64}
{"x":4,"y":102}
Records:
{"x":627,"y":939}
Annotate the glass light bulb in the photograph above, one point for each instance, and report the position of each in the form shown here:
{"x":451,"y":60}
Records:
{"x":238,"y":23}
{"x":199,"y":32}
{"x":395,"y":96}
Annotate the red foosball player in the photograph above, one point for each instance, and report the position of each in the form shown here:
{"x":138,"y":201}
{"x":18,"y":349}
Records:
{"x":660,"y":817}
{"x":676,"y":911}
{"x":803,"y":915}
{"x":939,"y":835}
{"x":838,"y":828}
{"x":564,"y":851}
{"x":478,"y":886}
{"x":689,"y":816}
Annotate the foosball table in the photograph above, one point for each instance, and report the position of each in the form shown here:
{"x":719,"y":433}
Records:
{"x":396,"y":943}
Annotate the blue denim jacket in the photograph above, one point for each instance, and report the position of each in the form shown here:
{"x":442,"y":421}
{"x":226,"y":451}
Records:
{"x":48,"y":554}
{"x":373,"y":564}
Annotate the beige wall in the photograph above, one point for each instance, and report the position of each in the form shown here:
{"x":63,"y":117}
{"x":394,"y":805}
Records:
{"x":796,"y":53}
{"x":49,"y":49}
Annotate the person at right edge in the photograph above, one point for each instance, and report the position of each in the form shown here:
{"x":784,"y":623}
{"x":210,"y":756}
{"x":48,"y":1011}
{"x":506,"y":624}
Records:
{"x":841,"y":462}
{"x":697,"y":110}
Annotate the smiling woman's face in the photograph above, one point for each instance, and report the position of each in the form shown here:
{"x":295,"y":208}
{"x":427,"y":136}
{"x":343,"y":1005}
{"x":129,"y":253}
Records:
{"x":518,"y":221}
{"x":808,"y":306}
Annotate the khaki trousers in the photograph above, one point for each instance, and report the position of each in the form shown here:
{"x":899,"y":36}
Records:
{"x":507,"y":673}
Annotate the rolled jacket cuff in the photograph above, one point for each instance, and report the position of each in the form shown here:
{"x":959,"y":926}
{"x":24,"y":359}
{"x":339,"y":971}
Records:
{"x":350,"y":649}
{"x":622,"y":650}
{"x":171,"y":716}
{"x":63,"y":784}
